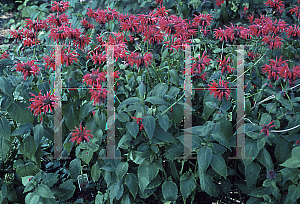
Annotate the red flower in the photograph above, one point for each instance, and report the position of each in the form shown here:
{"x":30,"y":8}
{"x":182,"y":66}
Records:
{"x":42,"y":103}
{"x":252,"y":55}
{"x":81,"y":135}
{"x":68,"y":57}
{"x":201,"y":62}
{"x":296,"y":10}
{"x":95,"y":78}
{"x":36,"y":25}
{"x":203,"y":20}
{"x":224,"y":65}
{"x":266,"y":128}
{"x":220,"y":89}
{"x":130,"y":23}
{"x":57,"y":21}
{"x":293,"y":32}
{"x":153,"y":34}
{"x":276,"y":4}
{"x":161,"y":11}
{"x":139,"y":59}
{"x":4,"y":55}
{"x":139,"y":122}
{"x":221,"y":34}
{"x":86,"y":24}
{"x":30,"y":42}
{"x":50,"y":62}
{"x":59,"y":6}
{"x":250,"y":18}
{"x":27,"y":68}
{"x":219,"y":2}
{"x":272,"y":42}
{"x":98,"y":94}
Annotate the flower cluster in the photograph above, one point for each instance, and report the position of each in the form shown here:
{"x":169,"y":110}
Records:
{"x":220,"y":90}
{"x":266,"y":128}
{"x":42,"y":103}
{"x":29,"y":68}
{"x":80,"y":135}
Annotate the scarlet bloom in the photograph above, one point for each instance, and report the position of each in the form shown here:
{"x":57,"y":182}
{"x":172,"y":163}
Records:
{"x":130,"y":23}
{"x":161,"y":11}
{"x":42,"y":103}
{"x":225,"y":65}
{"x":252,"y":55}
{"x":50,"y":62}
{"x":272,"y":42}
{"x":81,"y":135}
{"x":276,"y":4}
{"x":219,"y":2}
{"x":58,"y":20}
{"x":153,"y":34}
{"x":293,"y":32}
{"x":224,"y":34}
{"x":201,"y":62}
{"x":59,"y":6}
{"x":27,"y":68}
{"x":139,"y":122}
{"x":266,"y":128}
{"x":203,"y":20}
{"x":220,"y":90}
{"x":94,"y":79}
{"x":35,"y":25}
{"x":69,"y":57}
{"x":98,"y":95}
{"x":139,"y":59}
{"x":296,"y":10}
{"x":4,"y":55}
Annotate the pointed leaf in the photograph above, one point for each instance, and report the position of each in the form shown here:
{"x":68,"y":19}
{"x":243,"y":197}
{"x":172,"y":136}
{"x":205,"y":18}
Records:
{"x":149,"y":125}
{"x":163,"y":121}
{"x":204,"y":157}
{"x":169,"y":190}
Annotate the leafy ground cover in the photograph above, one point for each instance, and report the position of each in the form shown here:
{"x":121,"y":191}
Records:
{"x":137,"y":55}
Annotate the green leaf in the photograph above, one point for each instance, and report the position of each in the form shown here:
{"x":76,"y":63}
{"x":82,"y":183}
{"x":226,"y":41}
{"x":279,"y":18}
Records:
{"x":44,"y":191}
{"x":293,"y":162}
{"x":100,"y":120}
{"x":163,"y":121}
{"x":251,"y":150}
{"x":5,"y":129}
{"x":160,"y":134}
{"x":22,"y":129}
{"x":177,"y":113}
{"x":195,"y":140}
{"x":252,"y":173}
{"x":265,"y":158}
{"x":265,"y":119}
{"x":218,"y":164}
{"x":50,"y":179}
{"x":204,"y":157}
{"x":290,"y":173}
{"x":156,"y":100}
{"x":219,"y":137}
{"x":293,"y":194}
{"x":6,"y":87}
{"x":169,"y":190}
{"x":164,"y":54}
{"x":19,"y":112}
{"x":128,"y":101}
{"x":32,"y":198}
{"x":132,"y":128}
{"x":38,"y":132}
{"x":149,"y":125}
{"x":142,"y":90}
{"x":121,"y":170}
{"x":71,"y":116}
{"x":75,"y":168}
{"x":174,"y":77}
{"x":95,"y":172}
{"x":261,"y":142}
{"x":28,"y":146}
{"x":85,"y":110}
{"x":296,"y":152}
{"x":25,"y":168}
{"x":65,"y":190}
{"x":132,"y":184}
{"x":187,"y":184}
{"x":206,"y":183}
{"x":146,"y":173}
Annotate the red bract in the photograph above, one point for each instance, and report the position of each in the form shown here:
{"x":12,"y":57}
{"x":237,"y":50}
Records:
{"x":273,"y":70}
{"x":35,"y":25}
{"x":272,"y":42}
{"x":252,"y":55}
{"x":57,"y":21}
{"x":224,"y":34}
{"x":68,"y":57}
{"x":42,"y":103}
{"x":50,"y":62}
{"x":60,"y":33}
{"x":18,"y":35}
{"x":4,"y":55}
{"x":98,"y":95}
{"x":203,"y":20}
{"x":139,"y":59}
{"x":293,"y":32}
{"x":160,"y":11}
{"x":139,"y":122}
{"x":276,"y":4}
{"x":296,"y":10}
{"x":27,"y":68}
{"x":81,"y":135}
{"x":129,"y":24}
{"x":219,"y":2}
{"x":86,"y":24}
{"x":225,"y":65}
{"x":236,"y":31}
{"x":290,"y":74}
{"x":95,"y":78}
{"x":59,"y":6}
{"x":201,"y":62}
{"x":266,"y":128}
{"x":153,"y":34}
{"x":98,"y":58}
{"x":220,"y":90}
